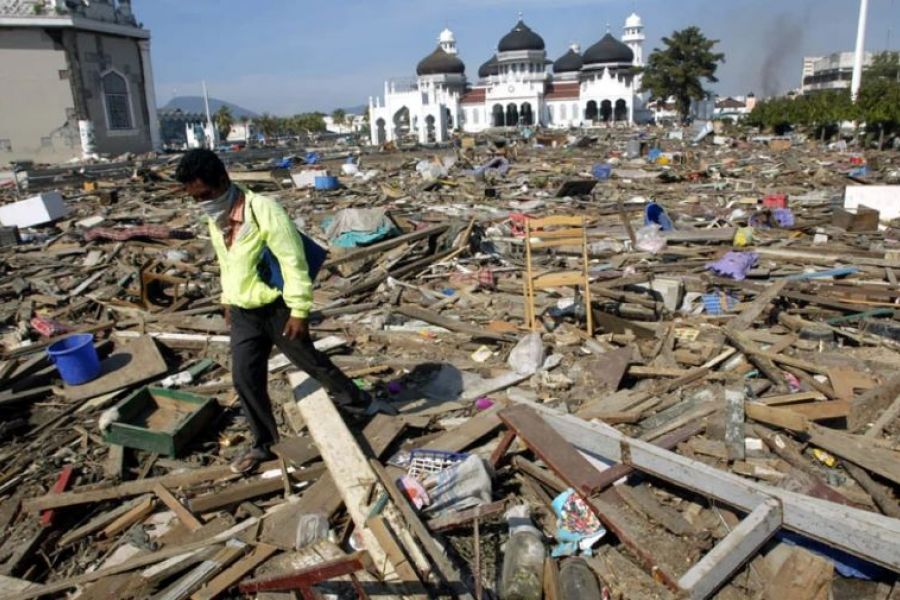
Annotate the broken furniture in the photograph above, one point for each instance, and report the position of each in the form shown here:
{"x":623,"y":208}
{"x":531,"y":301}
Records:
{"x":556,"y":232}
{"x":159,"y":420}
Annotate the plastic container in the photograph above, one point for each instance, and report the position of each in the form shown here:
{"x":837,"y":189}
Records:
{"x":656,"y":214}
{"x":522,"y":577}
{"x":577,"y":581}
{"x":602,"y":172}
{"x":327,"y":183}
{"x":76,"y":358}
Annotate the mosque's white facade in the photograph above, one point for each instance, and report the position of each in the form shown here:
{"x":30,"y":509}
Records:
{"x":517,"y":86}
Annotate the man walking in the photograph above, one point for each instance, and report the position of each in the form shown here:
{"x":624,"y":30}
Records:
{"x":242,"y":225}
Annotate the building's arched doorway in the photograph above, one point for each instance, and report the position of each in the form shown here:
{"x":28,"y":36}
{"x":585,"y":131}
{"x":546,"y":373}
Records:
{"x":606,"y":110}
{"x":512,"y":115}
{"x":527,"y":114}
{"x":380,"y":133}
{"x":497,"y":112}
{"x":621,"y":110}
{"x":429,"y":129}
{"x":401,"y":122}
{"x":449,"y":119}
{"x":590,"y":112}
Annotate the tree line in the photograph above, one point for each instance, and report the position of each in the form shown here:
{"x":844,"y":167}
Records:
{"x":877,"y":107}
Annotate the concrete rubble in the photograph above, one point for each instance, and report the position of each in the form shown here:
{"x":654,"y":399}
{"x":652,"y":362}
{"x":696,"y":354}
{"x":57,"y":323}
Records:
{"x":728,"y":429}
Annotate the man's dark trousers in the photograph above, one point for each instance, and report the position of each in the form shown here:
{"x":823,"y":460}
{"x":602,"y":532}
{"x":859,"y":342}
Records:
{"x":253,"y":332}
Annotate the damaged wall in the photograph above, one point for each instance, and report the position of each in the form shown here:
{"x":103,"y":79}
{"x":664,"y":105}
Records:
{"x":37,"y":108}
{"x":54,"y":78}
{"x":97,"y":55}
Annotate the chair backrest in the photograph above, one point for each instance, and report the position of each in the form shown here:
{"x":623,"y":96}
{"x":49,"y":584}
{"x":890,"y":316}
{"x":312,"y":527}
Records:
{"x":555,"y":231}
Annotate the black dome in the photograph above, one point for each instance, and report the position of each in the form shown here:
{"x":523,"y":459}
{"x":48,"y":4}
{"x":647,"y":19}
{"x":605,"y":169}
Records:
{"x":608,"y":50}
{"x":521,"y":38}
{"x":569,"y":62}
{"x":440,"y":62}
{"x":491,"y":67}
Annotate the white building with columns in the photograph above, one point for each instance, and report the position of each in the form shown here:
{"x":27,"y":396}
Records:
{"x":517,"y":86}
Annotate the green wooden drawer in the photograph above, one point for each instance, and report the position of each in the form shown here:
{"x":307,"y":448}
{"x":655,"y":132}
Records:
{"x":160,"y":420}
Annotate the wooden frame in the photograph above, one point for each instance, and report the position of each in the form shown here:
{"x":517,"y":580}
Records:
{"x":555,"y":232}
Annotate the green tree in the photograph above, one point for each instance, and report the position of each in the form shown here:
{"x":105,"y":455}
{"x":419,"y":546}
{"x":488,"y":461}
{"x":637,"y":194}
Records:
{"x":679,"y":70}
{"x":879,"y":107}
{"x":268,"y":125}
{"x":339,"y":116}
{"x":224,"y":121}
{"x":885,"y":65}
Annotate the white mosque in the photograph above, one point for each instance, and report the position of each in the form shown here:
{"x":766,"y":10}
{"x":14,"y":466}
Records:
{"x":517,"y":86}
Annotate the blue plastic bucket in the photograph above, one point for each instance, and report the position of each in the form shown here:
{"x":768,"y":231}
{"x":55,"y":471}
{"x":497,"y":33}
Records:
{"x":602,"y":171}
{"x":76,"y":358}
{"x":326,"y":183}
{"x":654,"y":213}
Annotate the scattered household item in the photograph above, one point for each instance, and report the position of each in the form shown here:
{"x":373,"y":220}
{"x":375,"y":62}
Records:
{"x":353,"y":227}
{"x":556,"y":232}
{"x":577,"y":527}
{"x":649,"y":239}
{"x":577,"y":581}
{"x":159,"y":420}
{"x":522,"y":574}
{"x":602,"y":172}
{"x":76,"y":358}
{"x":735,"y":265}
{"x":327,"y":183}
{"x":307,"y":177}
{"x":655,"y":214}
{"x":37,"y":210}
{"x":856,"y":220}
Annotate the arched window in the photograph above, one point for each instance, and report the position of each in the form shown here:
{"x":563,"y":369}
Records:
{"x":117,"y":101}
{"x":562,"y":112}
{"x":475,"y":113}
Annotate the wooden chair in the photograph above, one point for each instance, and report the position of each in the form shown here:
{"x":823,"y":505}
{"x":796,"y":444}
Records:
{"x":555,"y":232}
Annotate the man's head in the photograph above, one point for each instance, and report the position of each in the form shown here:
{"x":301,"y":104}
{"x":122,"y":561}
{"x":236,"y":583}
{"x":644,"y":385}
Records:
{"x":202,"y":174}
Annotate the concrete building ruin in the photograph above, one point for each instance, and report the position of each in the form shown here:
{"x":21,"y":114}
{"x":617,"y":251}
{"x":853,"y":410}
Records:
{"x":78,"y":81}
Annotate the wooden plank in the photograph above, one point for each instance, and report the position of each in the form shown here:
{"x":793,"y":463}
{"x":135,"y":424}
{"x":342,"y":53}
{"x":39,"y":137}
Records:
{"x":734,"y":550}
{"x":779,"y":417}
{"x":734,"y":421}
{"x":453,"y":520}
{"x":62,"y":482}
{"x":750,"y":314}
{"x":781,"y":399}
{"x":184,"y":586}
{"x":446,"y":569}
{"x":421,"y":314}
{"x":384,"y":246}
{"x":556,"y":453}
{"x":181,"y":511}
{"x":886,"y":418}
{"x":134,"y":488}
{"x":134,"y":363}
{"x":387,"y":539}
{"x":870,"y":405}
{"x":131,"y":564}
{"x":859,"y":450}
{"x":135,"y":515}
{"x":868,"y":535}
{"x":461,"y":437}
{"x":641,"y":499}
{"x":754,"y":354}
{"x":819,"y":411}
{"x":99,"y":522}
{"x":234,"y":573}
{"x":352,"y":475}
{"x":236,"y":494}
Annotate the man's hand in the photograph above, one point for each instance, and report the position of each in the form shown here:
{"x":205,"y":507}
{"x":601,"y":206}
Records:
{"x":296,"y":328}
{"x":228,"y":316}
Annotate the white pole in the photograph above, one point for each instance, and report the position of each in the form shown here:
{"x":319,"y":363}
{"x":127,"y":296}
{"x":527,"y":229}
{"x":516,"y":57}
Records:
{"x":211,"y":130}
{"x":860,"y":50}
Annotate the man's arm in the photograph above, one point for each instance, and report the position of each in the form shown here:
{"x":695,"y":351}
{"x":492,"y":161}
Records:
{"x":280,"y":235}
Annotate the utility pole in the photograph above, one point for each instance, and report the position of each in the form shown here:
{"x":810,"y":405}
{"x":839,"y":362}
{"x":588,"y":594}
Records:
{"x":212,"y":138}
{"x":860,"y":50}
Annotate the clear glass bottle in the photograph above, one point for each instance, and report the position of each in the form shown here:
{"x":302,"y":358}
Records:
{"x":522,"y":577}
{"x":577,"y":581}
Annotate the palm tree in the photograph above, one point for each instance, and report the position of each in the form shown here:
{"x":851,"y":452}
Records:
{"x":339,"y":116}
{"x":245,"y":121}
{"x":224,"y":121}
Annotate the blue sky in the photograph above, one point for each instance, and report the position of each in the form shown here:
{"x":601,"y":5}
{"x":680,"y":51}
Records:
{"x":290,"y":56}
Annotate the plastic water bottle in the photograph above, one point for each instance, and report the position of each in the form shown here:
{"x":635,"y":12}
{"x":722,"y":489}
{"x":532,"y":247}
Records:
{"x":522,"y":577}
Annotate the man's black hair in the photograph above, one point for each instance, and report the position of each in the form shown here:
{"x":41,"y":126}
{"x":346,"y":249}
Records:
{"x":201,"y":164}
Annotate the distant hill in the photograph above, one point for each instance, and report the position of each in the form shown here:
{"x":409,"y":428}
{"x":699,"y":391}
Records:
{"x":195,"y":104}
{"x":356,"y":110}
